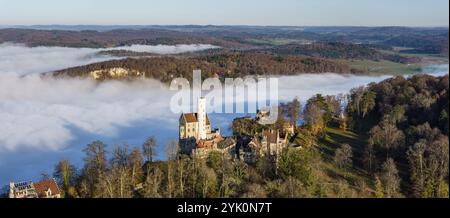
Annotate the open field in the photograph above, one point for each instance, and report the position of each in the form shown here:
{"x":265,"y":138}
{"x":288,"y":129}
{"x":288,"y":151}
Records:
{"x":383,"y":67}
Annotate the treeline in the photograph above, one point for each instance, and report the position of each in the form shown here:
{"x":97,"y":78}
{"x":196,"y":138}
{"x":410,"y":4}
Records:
{"x":112,"y":38}
{"x":125,"y":53}
{"x":132,"y":173}
{"x":339,"y":50}
{"x":223,"y":65}
{"x":431,"y":44}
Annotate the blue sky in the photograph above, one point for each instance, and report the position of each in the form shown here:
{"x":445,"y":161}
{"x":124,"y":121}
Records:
{"x":229,"y":12}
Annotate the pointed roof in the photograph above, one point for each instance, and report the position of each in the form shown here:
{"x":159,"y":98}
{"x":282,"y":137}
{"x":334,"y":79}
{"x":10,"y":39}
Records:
{"x":43,"y":186}
{"x":190,"y":117}
{"x":193,"y":118}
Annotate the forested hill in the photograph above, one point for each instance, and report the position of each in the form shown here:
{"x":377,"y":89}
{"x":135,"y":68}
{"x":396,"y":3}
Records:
{"x":223,"y":65}
{"x":114,"y":38}
{"x":408,"y":125}
{"x":339,"y":50}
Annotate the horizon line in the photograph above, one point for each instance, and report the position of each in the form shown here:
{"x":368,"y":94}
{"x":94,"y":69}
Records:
{"x":218,"y":25}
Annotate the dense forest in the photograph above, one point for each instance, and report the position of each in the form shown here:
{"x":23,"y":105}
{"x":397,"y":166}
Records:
{"x":408,"y":122}
{"x":229,"y":65}
{"x":337,"y":50}
{"x":392,"y":142}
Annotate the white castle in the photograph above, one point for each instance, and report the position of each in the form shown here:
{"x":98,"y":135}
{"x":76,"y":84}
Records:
{"x":195,"y":132}
{"x":197,"y":138}
{"x":197,"y":125}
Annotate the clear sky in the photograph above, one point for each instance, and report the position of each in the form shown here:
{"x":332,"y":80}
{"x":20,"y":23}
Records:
{"x":227,"y":12}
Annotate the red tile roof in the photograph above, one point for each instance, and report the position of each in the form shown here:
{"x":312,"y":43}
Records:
{"x":43,"y":186}
{"x":205,"y":144}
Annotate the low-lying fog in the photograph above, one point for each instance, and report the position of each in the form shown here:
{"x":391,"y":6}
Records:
{"x":45,"y":120}
{"x":19,"y":59}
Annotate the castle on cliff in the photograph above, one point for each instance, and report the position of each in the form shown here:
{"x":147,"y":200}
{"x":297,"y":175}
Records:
{"x":196,"y":136}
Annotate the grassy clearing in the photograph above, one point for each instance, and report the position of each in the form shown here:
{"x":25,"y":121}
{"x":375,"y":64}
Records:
{"x":327,"y":146}
{"x":391,"y":68}
{"x":388,"y":67}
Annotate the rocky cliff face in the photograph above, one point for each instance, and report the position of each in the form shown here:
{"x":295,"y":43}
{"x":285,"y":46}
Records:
{"x":115,"y":73}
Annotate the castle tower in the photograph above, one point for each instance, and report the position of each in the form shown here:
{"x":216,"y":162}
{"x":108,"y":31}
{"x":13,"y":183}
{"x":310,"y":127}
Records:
{"x":11,"y":190}
{"x":201,"y":113}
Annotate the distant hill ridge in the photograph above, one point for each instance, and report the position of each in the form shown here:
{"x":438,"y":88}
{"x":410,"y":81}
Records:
{"x":418,"y":39}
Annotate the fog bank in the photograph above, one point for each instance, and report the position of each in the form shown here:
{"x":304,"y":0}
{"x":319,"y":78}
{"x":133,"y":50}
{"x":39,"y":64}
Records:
{"x":22,"y":60}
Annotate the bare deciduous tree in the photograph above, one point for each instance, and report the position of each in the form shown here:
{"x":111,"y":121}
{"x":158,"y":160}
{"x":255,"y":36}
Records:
{"x":343,"y":156}
{"x":390,"y":179}
{"x":148,"y":148}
